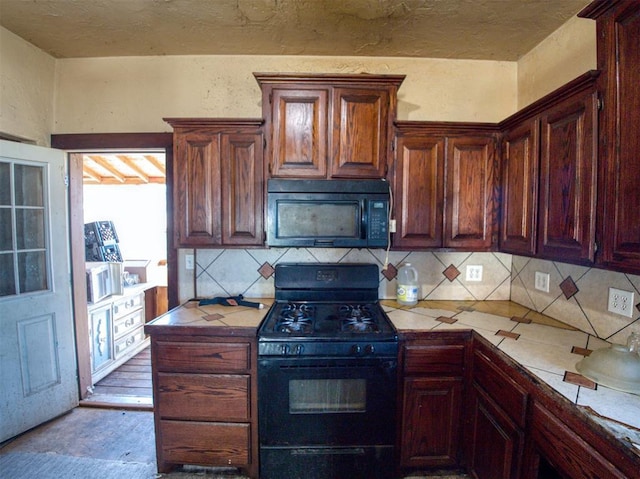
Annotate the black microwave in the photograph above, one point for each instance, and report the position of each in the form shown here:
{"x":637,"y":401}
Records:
{"x":328,"y":213}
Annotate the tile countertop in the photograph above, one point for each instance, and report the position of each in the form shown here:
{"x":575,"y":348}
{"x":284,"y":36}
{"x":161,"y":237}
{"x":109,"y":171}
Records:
{"x":545,"y":347}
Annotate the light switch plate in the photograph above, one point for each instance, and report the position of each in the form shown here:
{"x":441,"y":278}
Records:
{"x":621,"y":302}
{"x":542,"y":281}
{"x":474,"y":272}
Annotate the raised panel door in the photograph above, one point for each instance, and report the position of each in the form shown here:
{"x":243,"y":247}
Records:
{"x":496,"y":443}
{"x":197,"y":198}
{"x":299,"y":132}
{"x":618,"y":30}
{"x":567,"y":180}
{"x":360,"y":132}
{"x":431,"y":421}
{"x":520,"y":189}
{"x":419,"y":187}
{"x":242,"y":189}
{"x":470,"y":201}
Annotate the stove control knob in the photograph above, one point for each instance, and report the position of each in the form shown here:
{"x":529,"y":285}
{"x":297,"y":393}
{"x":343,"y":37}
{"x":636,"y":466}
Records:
{"x":369,"y":349}
{"x":298,"y":349}
{"x":356,"y":350}
{"x":284,"y":349}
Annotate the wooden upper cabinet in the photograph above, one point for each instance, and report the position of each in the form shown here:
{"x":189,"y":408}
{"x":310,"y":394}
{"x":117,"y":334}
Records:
{"x":360,"y":132}
{"x":520,"y":188}
{"x":549,"y":161}
{"x":618,"y":31}
{"x":419,"y":189}
{"x":567,"y":179}
{"x":196,"y":174}
{"x":472,"y":175}
{"x":299,"y":128}
{"x":242,"y":188}
{"x":328,"y":126}
{"x":218,"y":182}
{"x":445,"y":186}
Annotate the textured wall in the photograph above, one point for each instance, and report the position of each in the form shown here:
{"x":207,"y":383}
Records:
{"x":135,"y":93}
{"x":26,"y":90}
{"x":561,"y":57}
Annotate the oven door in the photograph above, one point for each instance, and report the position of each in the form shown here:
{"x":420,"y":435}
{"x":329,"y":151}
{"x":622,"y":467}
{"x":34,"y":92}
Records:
{"x":327,"y":402}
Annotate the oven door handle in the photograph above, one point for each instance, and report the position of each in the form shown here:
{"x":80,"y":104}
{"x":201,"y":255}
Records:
{"x":328,"y":451}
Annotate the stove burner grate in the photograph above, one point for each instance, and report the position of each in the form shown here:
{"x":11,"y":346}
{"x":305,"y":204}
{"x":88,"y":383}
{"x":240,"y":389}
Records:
{"x":295,"y":318}
{"x":358,"y":318}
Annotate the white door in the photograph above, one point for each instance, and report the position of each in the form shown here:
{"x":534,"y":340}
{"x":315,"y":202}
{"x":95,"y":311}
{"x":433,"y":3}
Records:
{"x":37,"y":349}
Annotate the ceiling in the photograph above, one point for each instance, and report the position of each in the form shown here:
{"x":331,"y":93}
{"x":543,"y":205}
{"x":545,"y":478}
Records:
{"x":124,"y":168}
{"x":457,"y":29}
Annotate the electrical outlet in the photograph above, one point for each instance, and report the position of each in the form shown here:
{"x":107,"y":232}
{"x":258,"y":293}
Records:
{"x":621,"y":302}
{"x":188,"y":261}
{"x":474,"y":272}
{"x":392,"y":226}
{"x":542,"y":281}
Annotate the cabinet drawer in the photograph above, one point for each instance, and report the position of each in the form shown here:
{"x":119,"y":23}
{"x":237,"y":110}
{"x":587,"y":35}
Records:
{"x":196,"y":357}
{"x":500,"y":387}
{"x":128,"y":341}
{"x":208,"y":397}
{"x":123,"y":325}
{"x":425,"y":359}
{"x":127,"y":305}
{"x":205,"y":443}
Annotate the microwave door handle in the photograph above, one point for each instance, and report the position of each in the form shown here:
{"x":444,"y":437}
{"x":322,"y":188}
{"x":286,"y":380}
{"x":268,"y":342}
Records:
{"x":364,"y":216}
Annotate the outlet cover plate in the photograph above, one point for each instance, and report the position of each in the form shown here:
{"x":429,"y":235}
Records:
{"x":474,"y":272}
{"x":542,"y":281}
{"x":621,"y":302}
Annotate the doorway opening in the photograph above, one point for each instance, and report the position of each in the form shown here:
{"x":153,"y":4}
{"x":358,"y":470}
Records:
{"x":77,"y":147}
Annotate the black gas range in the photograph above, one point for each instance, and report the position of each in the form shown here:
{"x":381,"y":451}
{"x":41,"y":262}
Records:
{"x":327,"y":362}
{"x":326,"y":309}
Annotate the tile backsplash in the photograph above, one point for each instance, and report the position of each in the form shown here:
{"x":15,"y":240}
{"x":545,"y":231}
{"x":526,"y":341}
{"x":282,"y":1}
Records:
{"x":577,"y":295}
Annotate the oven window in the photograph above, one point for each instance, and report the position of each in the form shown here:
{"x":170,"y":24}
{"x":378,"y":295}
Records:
{"x":318,"y":219}
{"x":313,"y":396}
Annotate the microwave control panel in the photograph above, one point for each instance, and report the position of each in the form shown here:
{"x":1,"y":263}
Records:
{"x":378,"y":227}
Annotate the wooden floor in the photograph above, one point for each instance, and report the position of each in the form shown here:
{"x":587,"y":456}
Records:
{"x":128,"y":386}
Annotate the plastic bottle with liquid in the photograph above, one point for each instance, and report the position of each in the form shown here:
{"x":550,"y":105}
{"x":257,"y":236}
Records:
{"x":407,"y":285}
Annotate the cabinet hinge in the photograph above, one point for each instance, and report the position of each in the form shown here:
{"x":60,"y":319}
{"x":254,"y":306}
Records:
{"x":270,"y":98}
{"x":264,"y":143}
{"x":599,"y":103}
{"x":66,"y":181}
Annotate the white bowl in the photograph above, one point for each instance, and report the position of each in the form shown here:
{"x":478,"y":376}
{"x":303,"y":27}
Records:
{"x":615,"y":367}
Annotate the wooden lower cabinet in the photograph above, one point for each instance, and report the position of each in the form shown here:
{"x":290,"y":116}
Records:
{"x":432,"y":390}
{"x":557,"y":450}
{"x":204,"y":390}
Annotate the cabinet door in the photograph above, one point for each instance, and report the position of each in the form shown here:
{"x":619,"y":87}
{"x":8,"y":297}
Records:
{"x":419,"y":188}
{"x":496,"y":443}
{"x":431,"y":422}
{"x":101,"y":338}
{"x":360,"y":133}
{"x":196,"y":188}
{"x":520,"y":189}
{"x":618,"y":59}
{"x":242,"y":191}
{"x":299,"y":133}
{"x":567,"y":180}
{"x":470,"y":202}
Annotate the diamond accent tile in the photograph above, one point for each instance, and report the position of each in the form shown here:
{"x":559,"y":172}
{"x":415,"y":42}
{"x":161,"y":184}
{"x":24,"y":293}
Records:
{"x":451,"y":272}
{"x":568,"y":287}
{"x":507,"y":334}
{"x":212,"y":317}
{"x":390,"y":273}
{"x":445,"y":319}
{"x":519,"y":319}
{"x":581,"y":351}
{"x":266,"y":270}
{"x":579,"y":380}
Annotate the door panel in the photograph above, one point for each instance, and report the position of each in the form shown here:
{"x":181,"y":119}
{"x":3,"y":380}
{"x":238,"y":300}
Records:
{"x":38,"y":369}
